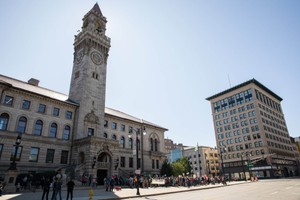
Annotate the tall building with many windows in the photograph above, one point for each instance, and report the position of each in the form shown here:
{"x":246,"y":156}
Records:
{"x":76,"y":132}
{"x":251,"y":132}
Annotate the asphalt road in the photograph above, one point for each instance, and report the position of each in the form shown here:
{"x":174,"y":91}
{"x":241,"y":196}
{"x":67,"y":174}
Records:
{"x":278,"y":189}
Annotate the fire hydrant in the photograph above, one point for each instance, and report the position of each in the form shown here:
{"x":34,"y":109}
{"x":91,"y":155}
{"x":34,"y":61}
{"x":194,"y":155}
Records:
{"x":91,"y":193}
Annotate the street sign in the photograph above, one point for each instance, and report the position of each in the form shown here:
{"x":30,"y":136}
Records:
{"x":250,"y":165}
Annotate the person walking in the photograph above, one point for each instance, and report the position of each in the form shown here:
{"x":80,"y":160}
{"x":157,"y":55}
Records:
{"x":70,"y":186}
{"x":46,"y":188}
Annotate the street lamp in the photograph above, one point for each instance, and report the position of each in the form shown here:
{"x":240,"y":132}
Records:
{"x":94,"y":162}
{"x":13,"y":165}
{"x":137,"y":132}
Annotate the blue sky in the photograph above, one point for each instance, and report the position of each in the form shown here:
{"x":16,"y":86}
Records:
{"x":166,"y":57}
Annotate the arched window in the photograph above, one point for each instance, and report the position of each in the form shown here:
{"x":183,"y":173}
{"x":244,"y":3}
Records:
{"x":130,"y":143}
{"x":114,"y":137}
{"x":4,"y":117}
{"x":67,"y":132}
{"x":53,"y":130}
{"x":122,"y":142}
{"x":138,"y":144}
{"x":105,"y":135}
{"x":151,"y":144}
{"x":155,"y":145}
{"x":22,"y":125}
{"x":38,"y":127}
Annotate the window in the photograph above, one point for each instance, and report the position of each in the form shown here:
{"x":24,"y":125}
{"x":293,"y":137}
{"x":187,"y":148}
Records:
{"x":130,"y":143}
{"x":123,"y":127}
{"x":50,"y":155}
{"x":4,"y":117}
{"x":114,"y":125}
{"x":157,"y":164}
{"x":38,"y":128}
{"x":19,"y":152}
{"x":122,"y":161}
{"x":69,"y":115}
{"x":151,"y":144}
{"x":42,"y":108}
{"x":1,"y":149}
{"x":90,"y":131}
{"x":67,"y":132}
{"x":131,"y":162}
{"x":114,"y":137}
{"x":64,"y":157}
{"x":138,"y":144}
{"x":122,"y":142}
{"x":153,"y":164}
{"x":105,"y":123}
{"x":53,"y":130}
{"x":130,"y":129}
{"x":155,"y":145}
{"x":55,"y":111}
{"x":34,"y":154}
{"x":8,"y":100}
{"x":22,"y":125}
{"x":26,"y":104}
{"x":105,"y":135}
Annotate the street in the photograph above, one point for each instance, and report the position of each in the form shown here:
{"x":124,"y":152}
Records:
{"x":275,"y":189}
{"x":278,"y":189}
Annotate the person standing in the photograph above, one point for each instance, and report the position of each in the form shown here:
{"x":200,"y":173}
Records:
{"x":57,"y":187}
{"x":70,"y":186}
{"x":111,"y":184}
{"x":46,"y":188}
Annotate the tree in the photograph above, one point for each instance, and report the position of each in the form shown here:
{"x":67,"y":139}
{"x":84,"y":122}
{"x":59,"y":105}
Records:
{"x":181,"y":166}
{"x":166,"y":169}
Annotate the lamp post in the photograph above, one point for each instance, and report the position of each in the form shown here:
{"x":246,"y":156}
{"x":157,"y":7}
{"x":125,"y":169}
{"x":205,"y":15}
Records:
{"x":137,"y":132}
{"x":13,"y":165}
{"x":94,"y":162}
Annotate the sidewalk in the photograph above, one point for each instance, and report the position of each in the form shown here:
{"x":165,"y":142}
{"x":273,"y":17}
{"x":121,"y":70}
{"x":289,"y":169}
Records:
{"x":82,"y":193}
{"x":131,"y":193}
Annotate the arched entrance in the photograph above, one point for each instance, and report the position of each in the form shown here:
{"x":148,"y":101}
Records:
{"x":104,"y":161}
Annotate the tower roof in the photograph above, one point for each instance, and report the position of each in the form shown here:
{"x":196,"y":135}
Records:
{"x":96,"y":8}
{"x":242,"y":85}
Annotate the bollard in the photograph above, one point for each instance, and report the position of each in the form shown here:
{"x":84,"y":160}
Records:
{"x":91,"y":193}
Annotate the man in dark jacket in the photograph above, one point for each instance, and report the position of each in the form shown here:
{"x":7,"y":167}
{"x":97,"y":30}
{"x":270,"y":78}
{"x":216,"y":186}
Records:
{"x":70,"y":186}
{"x":46,"y":188}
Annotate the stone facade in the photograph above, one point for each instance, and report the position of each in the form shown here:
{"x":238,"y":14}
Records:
{"x":76,"y":132}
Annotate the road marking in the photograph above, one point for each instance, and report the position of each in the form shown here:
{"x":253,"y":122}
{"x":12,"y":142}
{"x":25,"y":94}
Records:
{"x":288,"y":188}
{"x":274,"y":193}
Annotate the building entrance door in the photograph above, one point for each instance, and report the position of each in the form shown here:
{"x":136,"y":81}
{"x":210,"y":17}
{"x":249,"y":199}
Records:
{"x":101,"y":174}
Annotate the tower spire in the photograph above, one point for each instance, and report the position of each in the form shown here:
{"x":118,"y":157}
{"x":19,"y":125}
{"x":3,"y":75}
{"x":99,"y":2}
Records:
{"x":96,"y":8}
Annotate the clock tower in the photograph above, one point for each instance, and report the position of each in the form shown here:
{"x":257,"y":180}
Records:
{"x":88,"y":81}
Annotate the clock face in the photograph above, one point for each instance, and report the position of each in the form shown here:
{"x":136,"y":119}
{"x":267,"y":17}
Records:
{"x":97,"y":58}
{"x":79,"y":56}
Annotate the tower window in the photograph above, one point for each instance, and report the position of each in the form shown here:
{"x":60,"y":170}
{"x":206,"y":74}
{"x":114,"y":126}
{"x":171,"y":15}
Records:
{"x":76,"y":74}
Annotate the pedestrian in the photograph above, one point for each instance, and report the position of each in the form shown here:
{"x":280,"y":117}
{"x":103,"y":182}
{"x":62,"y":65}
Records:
{"x":106,"y":182}
{"x":57,"y":188}
{"x":111,"y":184}
{"x":70,"y":186}
{"x":46,"y":188}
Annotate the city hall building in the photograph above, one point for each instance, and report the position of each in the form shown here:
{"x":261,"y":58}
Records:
{"x":43,"y":130}
{"x":251,"y":132}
